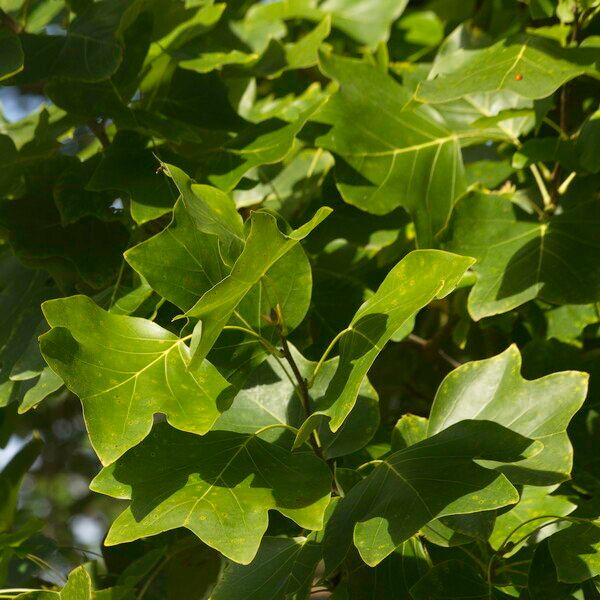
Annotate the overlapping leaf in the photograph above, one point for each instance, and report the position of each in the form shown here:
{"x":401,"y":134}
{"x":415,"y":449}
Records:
{"x":404,"y":492}
{"x":530,"y":66}
{"x":390,"y":155}
{"x":494,"y":390}
{"x":220,"y":486}
{"x":520,"y":258}
{"x":264,"y":248}
{"x":414,"y":282}
{"x":126,"y":369}
{"x":270,"y":397}
{"x":283,"y":566}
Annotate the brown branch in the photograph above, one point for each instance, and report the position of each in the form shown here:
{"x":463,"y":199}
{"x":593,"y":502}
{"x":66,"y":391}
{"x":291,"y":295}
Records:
{"x":98,"y":130}
{"x":302,"y":386}
{"x":9,"y":22}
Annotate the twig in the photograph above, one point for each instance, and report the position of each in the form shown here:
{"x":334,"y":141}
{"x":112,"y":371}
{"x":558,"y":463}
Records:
{"x":429,"y":347}
{"x":98,"y":130}
{"x":301,"y":383}
{"x":546,"y":198}
{"x":9,"y":22}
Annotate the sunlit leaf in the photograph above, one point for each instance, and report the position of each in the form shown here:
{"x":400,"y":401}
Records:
{"x":220,"y":486}
{"x":125,"y":370}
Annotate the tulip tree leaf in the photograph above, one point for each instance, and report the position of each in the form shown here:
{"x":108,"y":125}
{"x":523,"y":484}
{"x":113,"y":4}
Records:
{"x":265,"y":246}
{"x":78,"y":587}
{"x":393,"y":577}
{"x":535,"y":502}
{"x":494,"y":390}
{"x":283,"y":566}
{"x":367,"y":21}
{"x":90,"y":50}
{"x":391,"y":155}
{"x":519,"y":258}
{"x":258,"y":144}
{"x":449,"y":580}
{"x":212,"y":211}
{"x":530,"y":66}
{"x":126,"y":369}
{"x":415,"y":281}
{"x":576,"y":552}
{"x":130,"y":167}
{"x":220,"y":486}
{"x":39,"y":240}
{"x":269,"y":398}
{"x":181,"y":262}
{"x":404,"y":492}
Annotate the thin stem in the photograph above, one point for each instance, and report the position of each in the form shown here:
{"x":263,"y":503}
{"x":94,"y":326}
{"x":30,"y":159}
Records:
{"x":302,"y":387}
{"x":275,"y":426}
{"x":423,"y":343}
{"x":323,"y":358}
{"x":371,"y":462}
{"x":269,"y":347}
{"x":546,"y":198}
{"x":556,"y":127}
{"x":555,"y":517}
{"x":98,"y":130}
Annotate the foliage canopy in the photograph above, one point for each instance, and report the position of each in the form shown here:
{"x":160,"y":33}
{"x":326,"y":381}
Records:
{"x":299,"y":299}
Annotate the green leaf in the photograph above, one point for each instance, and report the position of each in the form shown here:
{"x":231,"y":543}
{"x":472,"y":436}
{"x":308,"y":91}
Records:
{"x":125,"y":370}
{"x":409,"y":430}
{"x":212,"y":211}
{"x":415,"y":281}
{"x":393,"y":155}
{"x":543,"y":581}
{"x":393,"y":577}
{"x":78,"y":587}
{"x":220,"y":486}
{"x":452,"y":579}
{"x":265,"y":246}
{"x":269,"y":397}
{"x":181,"y":262}
{"x":39,"y":240}
{"x":129,"y":166}
{"x":74,"y":201}
{"x":11,"y":53}
{"x":568,"y":322}
{"x":535,"y":502}
{"x":494,"y":390}
{"x":302,"y":54}
{"x":403,"y":493}
{"x":282,"y":566}
{"x":520,"y":258}
{"x":366,"y":21}
{"x":528,"y":65}
{"x":22,"y":290}
{"x":576,"y":552}
{"x":587,"y":143}
{"x":12,"y":476}
{"x":260,"y":144}
{"x":90,"y":50}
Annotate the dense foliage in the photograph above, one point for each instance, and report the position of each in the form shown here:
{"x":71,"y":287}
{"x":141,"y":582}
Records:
{"x":306,"y":292}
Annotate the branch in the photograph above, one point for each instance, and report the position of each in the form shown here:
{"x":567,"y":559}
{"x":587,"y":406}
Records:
{"x":98,"y":130}
{"x":9,"y":22}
